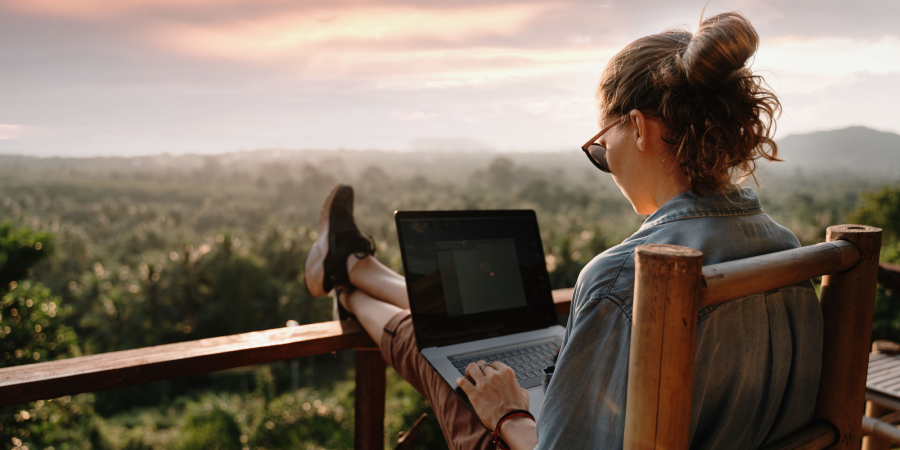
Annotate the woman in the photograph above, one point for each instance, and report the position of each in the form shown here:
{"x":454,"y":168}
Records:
{"x":682,"y":120}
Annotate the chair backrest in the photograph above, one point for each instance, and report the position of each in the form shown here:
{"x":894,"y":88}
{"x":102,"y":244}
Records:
{"x":670,"y":287}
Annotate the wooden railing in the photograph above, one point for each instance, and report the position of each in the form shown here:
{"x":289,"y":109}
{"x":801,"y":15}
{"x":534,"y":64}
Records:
{"x":52,"y":379}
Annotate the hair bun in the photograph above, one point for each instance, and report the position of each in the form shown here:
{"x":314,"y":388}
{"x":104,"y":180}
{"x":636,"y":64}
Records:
{"x":722,"y":45}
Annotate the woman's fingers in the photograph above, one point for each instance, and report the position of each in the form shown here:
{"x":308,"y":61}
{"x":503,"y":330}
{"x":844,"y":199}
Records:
{"x":492,"y":390}
{"x":504,"y":371}
{"x":465,"y":385}
{"x":502,"y":368}
{"x":481,"y":370}
{"x":496,"y":369}
{"x":474,"y":372}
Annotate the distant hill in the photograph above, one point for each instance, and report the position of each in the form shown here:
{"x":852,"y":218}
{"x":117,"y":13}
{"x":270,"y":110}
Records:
{"x":854,"y":150}
{"x":273,"y":165}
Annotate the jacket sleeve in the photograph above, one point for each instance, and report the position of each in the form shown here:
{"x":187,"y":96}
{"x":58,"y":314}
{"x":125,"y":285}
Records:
{"x":584,"y":406}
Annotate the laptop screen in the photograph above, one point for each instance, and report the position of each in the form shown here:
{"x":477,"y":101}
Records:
{"x":474,"y":274}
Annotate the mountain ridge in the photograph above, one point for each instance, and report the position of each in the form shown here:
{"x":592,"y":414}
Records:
{"x":852,"y":151}
{"x":857,"y":150}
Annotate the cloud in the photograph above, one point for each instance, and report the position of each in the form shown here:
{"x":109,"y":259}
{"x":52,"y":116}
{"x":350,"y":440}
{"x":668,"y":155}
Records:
{"x":459,"y":44}
{"x":863,"y":98}
{"x":393,"y":46}
{"x":287,"y":32}
{"x":148,"y":76}
{"x":103,"y":10}
{"x":578,"y":108}
{"x":800,"y":64}
{"x":8,"y":131}
{"x":412,"y":116}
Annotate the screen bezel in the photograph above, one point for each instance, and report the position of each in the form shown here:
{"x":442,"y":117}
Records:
{"x":541,"y":315}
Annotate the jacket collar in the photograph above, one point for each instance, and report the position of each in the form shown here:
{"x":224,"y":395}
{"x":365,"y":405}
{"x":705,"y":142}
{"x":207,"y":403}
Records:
{"x":734,"y":202}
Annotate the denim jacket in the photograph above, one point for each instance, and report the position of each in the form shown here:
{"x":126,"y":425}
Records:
{"x":758,"y":357}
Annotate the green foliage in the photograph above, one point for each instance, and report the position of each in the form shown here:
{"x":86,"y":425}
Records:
{"x":809,"y":204}
{"x":302,"y":419}
{"x":32,"y":328}
{"x":886,"y":324}
{"x":20,"y":249}
{"x":211,"y":428}
{"x":66,"y":423}
{"x":882,"y":209}
{"x":161,"y":251}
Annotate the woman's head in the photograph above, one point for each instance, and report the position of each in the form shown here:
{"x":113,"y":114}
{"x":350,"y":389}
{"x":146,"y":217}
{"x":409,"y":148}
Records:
{"x":717,"y":117}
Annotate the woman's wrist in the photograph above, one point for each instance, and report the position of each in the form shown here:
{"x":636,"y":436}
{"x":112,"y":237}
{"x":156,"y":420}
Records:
{"x":519,"y":432}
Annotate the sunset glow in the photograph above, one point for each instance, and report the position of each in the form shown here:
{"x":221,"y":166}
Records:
{"x":334,"y":29}
{"x":148,"y":76}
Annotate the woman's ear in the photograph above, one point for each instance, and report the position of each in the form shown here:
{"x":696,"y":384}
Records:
{"x":640,"y":129}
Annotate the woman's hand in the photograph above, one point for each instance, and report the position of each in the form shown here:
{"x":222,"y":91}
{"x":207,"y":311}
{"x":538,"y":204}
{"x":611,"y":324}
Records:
{"x":493,"y":391}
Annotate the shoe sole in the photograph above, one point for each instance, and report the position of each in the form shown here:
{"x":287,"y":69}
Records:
{"x":314,"y":274}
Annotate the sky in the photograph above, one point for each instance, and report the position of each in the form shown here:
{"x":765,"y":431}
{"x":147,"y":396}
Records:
{"x":139,"y":77}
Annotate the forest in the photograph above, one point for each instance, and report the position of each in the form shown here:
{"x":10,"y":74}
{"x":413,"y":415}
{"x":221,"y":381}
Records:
{"x":106,"y":254}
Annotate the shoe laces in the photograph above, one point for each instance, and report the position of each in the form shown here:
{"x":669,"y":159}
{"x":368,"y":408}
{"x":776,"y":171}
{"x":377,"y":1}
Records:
{"x":365,"y":247}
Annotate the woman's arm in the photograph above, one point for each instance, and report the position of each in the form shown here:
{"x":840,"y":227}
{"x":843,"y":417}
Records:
{"x":494,"y":392}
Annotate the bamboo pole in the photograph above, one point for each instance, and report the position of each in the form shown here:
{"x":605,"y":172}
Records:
{"x":848,"y":302}
{"x":735,"y":279}
{"x":369,"y":399}
{"x":882,"y":431}
{"x":882,"y":400}
{"x":663,"y":342}
{"x":873,"y":442}
{"x":816,"y":436}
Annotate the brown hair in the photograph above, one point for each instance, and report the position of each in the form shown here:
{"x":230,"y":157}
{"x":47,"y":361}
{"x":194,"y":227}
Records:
{"x":720,"y":116}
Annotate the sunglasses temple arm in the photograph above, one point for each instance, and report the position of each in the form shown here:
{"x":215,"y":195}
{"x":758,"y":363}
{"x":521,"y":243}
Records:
{"x":593,"y":139}
{"x":604,"y":130}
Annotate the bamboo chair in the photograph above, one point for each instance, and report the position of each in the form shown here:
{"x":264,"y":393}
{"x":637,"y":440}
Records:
{"x":671,"y":285}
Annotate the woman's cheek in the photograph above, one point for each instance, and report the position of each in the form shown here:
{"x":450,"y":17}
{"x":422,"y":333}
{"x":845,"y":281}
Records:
{"x":617,"y":166}
{"x":612,"y":161}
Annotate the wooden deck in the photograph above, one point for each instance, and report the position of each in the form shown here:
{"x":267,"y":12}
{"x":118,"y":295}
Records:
{"x":884,"y":375}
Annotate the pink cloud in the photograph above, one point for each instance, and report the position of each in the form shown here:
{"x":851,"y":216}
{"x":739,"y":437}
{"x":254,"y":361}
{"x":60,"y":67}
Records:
{"x":289,"y":32}
{"x":9,"y":131}
{"x":214,"y":75}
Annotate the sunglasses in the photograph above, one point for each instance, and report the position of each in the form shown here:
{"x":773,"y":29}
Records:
{"x":597,"y":153}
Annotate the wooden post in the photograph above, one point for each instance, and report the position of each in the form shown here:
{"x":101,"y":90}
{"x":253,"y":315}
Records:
{"x":663,"y":342}
{"x":369,"y":398}
{"x":848,"y":302}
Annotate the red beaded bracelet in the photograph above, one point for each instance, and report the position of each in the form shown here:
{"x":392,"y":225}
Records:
{"x":496,"y":433}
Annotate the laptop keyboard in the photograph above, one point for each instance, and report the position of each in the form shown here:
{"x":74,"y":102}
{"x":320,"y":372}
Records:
{"x":527,"y":359}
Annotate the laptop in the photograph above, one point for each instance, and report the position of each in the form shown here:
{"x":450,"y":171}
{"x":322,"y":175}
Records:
{"x":479,"y":289}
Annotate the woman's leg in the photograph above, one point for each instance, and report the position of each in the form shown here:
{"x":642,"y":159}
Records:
{"x":391,"y":327}
{"x":381,"y":305}
{"x":376,"y":279}
{"x":372,"y":313}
